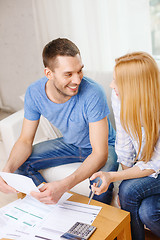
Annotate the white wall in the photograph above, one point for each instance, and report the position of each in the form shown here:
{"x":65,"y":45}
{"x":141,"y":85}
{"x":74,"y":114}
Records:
{"x":102,"y":29}
{"x":20,"y":62}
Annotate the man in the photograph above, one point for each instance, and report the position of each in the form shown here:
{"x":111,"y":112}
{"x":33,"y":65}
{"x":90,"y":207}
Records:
{"x":77,"y":106}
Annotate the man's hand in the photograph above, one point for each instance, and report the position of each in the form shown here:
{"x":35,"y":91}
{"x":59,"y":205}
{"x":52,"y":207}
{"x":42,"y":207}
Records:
{"x":106,"y":180}
{"x":50,"y":193}
{"x":5,"y":188}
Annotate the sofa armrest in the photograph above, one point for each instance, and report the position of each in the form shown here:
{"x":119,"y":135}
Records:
{"x":10,"y":129}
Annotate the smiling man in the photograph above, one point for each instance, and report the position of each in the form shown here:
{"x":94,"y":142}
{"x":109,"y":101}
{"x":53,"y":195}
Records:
{"x":77,"y":106}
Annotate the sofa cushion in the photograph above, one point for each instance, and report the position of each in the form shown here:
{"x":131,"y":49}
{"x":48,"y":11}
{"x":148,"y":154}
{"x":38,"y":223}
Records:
{"x":60,"y":172}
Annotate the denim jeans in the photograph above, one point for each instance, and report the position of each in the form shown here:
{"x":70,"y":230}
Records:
{"x":141,"y":197}
{"x":56,"y":152}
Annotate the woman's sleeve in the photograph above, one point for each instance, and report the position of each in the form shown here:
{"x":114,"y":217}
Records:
{"x":154,"y":163}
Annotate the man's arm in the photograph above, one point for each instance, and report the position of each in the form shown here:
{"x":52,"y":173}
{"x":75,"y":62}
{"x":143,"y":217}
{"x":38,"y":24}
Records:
{"x":20,"y":151}
{"x":98,"y":132}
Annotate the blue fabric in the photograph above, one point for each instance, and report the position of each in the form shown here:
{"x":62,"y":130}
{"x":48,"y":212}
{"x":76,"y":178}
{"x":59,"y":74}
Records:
{"x":72,"y":118}
{"x":56,"y":152}
{"x":141,"y":197}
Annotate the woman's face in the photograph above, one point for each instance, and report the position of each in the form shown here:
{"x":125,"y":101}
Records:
{"x":113,"y":85}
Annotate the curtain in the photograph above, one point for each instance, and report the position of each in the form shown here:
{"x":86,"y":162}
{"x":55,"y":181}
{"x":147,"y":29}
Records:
{"x":102,"y":29}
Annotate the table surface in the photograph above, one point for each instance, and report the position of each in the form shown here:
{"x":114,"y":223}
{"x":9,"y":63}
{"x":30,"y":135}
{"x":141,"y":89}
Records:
{"x":110,"y":222}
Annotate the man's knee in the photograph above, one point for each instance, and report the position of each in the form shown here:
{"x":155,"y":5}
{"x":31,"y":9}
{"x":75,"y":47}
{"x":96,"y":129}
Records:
{"x":111,"y":164}
{"x":105,"y":197}
{"x":24,"y":168}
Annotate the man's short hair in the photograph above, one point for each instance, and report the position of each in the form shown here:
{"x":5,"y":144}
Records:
{"x":58,"y":47}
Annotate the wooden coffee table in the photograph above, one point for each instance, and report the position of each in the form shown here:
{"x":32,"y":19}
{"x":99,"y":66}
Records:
{"x":111,"y":222}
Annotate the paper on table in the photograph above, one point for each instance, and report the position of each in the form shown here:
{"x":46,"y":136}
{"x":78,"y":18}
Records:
{"x":22,"y":218}
{"x":62,"y":218}
{"x":19,"y":182}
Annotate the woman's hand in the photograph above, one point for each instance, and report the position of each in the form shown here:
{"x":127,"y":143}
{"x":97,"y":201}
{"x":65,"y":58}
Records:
{"x":106,"y":180}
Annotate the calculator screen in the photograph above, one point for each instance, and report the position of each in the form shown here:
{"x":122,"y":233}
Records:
{"x":71,"y":237}
{"x":79,"y":231}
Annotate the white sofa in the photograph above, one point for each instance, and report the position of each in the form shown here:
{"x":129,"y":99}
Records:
{"x":10,"y":128}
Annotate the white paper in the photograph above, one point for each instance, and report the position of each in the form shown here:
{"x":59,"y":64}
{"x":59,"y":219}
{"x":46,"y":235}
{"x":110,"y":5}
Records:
{"x":27,"y":218}
{"x":22,"y":218}
{"x":19,"y":182}
{"x":64,"y":216}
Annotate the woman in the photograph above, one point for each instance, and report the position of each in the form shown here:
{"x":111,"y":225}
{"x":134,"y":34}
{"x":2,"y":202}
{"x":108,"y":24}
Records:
{"x":136,"y":107}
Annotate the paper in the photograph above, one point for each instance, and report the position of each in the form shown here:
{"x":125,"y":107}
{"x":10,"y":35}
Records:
{"x":22,"y":218}
{"x":27,"y":218}
{"x":19,"y":182}
{"x":30,"y":219}
{"x":63,"y":217}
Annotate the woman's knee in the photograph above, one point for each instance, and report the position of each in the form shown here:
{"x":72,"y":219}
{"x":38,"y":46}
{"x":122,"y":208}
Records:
{"x":145,"y":211}
{"x":126,"y":189}
{"x":149,"y":213}
{"x":128,"y":192}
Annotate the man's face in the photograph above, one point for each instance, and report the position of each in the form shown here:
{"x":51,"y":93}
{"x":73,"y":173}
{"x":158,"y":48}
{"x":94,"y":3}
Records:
{"x":66,"y":77}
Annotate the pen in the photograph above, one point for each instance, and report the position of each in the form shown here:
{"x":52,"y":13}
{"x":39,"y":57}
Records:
{"x":41,"y":185}
{"x":93,"y":192}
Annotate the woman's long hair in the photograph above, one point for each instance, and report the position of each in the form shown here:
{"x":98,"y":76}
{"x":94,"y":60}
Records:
{"x":138,"y":80}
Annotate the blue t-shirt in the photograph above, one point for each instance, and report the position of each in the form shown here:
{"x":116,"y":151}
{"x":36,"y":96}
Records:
{"x":72,"y":118}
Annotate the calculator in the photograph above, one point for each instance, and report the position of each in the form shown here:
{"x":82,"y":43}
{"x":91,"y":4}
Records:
{"x":79,"y":231}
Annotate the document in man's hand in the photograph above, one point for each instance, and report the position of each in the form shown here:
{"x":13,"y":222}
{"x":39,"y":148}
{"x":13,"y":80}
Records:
{"x":19,"y":182}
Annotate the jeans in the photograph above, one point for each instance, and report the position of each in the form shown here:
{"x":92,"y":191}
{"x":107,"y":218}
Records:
{"x":141,"y":197}
{"x":56,"y":152}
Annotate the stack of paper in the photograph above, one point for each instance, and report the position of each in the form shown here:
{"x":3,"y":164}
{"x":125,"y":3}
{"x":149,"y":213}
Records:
{"x":29,"y":219}
{"x":21,"y":218}
{"x":26,"y":219}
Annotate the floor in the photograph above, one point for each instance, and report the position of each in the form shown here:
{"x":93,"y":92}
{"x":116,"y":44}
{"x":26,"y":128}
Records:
{"x":5,"y":198}
{"x":150,"y":236}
